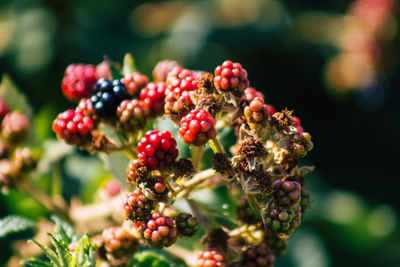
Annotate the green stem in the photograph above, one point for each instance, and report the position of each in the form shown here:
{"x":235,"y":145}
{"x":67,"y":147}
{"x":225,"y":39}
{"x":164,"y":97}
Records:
{"x":195,"y":208}
{"x":195,"y":181}
{"x":216,"y":145}
{"x":197,"y":154}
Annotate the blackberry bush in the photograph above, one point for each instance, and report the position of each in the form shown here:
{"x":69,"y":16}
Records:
{"x":137,"y":126}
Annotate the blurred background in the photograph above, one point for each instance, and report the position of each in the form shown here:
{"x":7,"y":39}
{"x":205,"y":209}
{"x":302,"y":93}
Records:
{"x":335,"y":62}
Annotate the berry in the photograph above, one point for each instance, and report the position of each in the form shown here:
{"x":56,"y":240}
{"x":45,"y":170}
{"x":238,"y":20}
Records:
{"x":211,"y":257}
{"x":132,"y":115}
{"x":245,"y":213}
{"x":23,"y":160}
{"x":287,"y":193}
{"x":119,"y":242}
{"x":14,"y":127}
{"x":278,"y":246}
{"x":78,"y":81}
{"x":258,"y":256}
{"x":178,"y":73}
{"x":159,"y":231}
{"x":250,"y":93}
{"x":162,"y":69}
{"x":187,"y":224}
{"x":86,"y":107}
{"x":135,"y":82}
{"x":231,"y":77}
{"x":158,"y":187}
{"x":157,"y":149}
{"x":103,"y":70}
{"x":256,"y":111}
{"x":283,"y":220}
{"x":300,"y":143}
{"x":137,"y":206}
{"x":73,"y":127}
{"x":177,"y":97}
{"x":4,"y":109}
{"x":136,"y":172}
{"x":107,"y":97}
{"x":153,"y":96}
{"x":7,"y":175}
{"x":296,"y":122}
{"x":197,"y":127}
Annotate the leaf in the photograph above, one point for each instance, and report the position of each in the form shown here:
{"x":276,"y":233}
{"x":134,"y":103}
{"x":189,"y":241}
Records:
{"x":64,"y":231}
{"x":62,"y":251}
{"x":13,"y":224}
{"x":129,"y":64}
{"x":11,"y":95}
{"x":149,"y":259}
{"x":50,"y":254}
{"x":36,"y":263}
{"x":84,"y":253}
{"x":115,"y":73}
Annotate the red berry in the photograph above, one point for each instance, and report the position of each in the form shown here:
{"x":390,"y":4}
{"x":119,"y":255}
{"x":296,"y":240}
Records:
{"x":103,"y":70}
{"x":137,"y":206}
{"x":296,"y":122}
{"x":153,"y":96}
{"x":177,"y":97}
{"x":162,"y":69}
{"x":78,"y":81}
{"x":231,"y":77}
{"x":210,"y":257}
{"x":159,"y":231}
{"x":157,"y":149}
{"x":132,"y":115}
{"x":119,"y":242}
{"x":74,"y":127}
{"x":178,"y":73}
{"x":250,"y":93}
{"x":135,"y":82}
{"x":197,"y":127}
{"x":86,"y":107}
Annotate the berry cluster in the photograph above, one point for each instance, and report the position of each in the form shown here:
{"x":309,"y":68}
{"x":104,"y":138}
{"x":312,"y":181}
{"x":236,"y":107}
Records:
{"x":231,"y":77}
{"x":258,"y":256}
{"x":134,"y":83}
{"x":118,"y":242}
{"x":160,"y":231}
{"x":157,"y":149}
{"x":197,"y":127}
{"x":153,"y":96}
{"x":211,"y":257}
{"x":132,"y":114}
{"x":137,"y":206}
{"x":78,"y":81}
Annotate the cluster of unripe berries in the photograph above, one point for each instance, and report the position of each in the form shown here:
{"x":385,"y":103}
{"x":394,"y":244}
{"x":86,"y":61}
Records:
{"x":15,"y":161}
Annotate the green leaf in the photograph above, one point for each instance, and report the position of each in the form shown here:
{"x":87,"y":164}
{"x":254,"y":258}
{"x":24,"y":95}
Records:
{"x":84,"y":253}
{"x":115,"y":73}
{"x":149,"y":259}
{"x":13,"y":224}
{"x":50,"y":254}
{"x":36,"y":263}
{"x":62,"y":251}
{"x":64,"y":231}
{"x":129,"y":64}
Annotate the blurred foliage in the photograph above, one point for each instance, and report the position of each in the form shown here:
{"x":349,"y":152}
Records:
{"x":289,"y":49}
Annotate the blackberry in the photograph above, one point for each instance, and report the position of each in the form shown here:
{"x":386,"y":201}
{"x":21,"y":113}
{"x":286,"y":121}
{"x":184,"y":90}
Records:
{"x":177,"y":97}
{"x":251,"y":93}
{"x":137,"y":206}
{"x":78,"y":81}
{"x":300,"y":143}
{"x":287,"y":193}
{"x":187,"y":224}
{"x":135,"y":82}
{"x":119,"y":243}
{"x":153,"y":96}
{"x":256,"y":112}
{"x":86,"y":107}
{"x":231,"y":77}
{"x":132,"y":115}
{"x":159,"y":231}
{"x":197,"y":127}
{"x":157,"y":149}
{"x":14,"y":127}
{"x":179,"y":73}
{"x":278,"y":246}
{"x":245,"y":213}
{"x":161,"y":70}
{"x":258,"y":256}
{"x":211,"y":257}
{"x":282,"y":220}
{"x":73,"y":127}
{"x":107,"y":97}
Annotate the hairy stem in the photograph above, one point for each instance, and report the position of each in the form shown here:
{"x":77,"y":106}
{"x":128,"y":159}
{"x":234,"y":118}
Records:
{"x":195,"y":181}
{"x":216,"y":145}
{"x":197,"y":154}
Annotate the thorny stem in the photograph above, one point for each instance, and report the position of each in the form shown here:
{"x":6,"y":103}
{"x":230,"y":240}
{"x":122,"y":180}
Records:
{"x":216,"y":145}
{"x":195,"y":181}
{"x":197,"y":154}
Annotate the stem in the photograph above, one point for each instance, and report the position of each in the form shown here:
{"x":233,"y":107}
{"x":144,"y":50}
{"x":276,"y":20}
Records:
{"x":196,"y":207}
{"x":40,"y":196}
{"x":216,"y":145}
{"x":195,"y":181}
{"x":197,"y":154}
